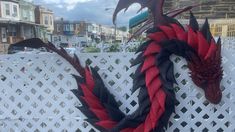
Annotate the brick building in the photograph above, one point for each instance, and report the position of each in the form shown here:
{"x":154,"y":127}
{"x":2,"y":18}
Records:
{"x":81,"y":33}
{"x":221,"y":14}
{"x":212,"y":9}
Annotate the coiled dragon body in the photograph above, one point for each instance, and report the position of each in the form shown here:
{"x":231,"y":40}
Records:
{"x":154,"y":75}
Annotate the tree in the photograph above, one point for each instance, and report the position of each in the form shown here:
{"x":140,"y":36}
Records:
{"x":123,"y":28}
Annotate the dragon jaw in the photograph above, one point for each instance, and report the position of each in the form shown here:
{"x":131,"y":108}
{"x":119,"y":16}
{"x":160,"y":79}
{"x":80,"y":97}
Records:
{"x":207,"y":75}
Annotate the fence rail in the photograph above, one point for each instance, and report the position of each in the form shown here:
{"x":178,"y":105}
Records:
{"x":35,"y":93}
{"x":227,"y":42}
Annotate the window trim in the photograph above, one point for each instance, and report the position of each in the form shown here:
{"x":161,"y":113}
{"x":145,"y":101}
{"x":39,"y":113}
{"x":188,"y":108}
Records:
{"x":14,"y":6}
{"x":46,"y":20}
{"x":5,"y":9}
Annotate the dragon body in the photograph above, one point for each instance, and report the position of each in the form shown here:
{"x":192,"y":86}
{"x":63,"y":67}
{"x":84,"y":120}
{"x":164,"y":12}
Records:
{"x":154,"y":75}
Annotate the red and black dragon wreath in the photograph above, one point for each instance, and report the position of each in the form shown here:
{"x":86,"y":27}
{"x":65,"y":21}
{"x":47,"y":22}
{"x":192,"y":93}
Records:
{"x":154,"y":75}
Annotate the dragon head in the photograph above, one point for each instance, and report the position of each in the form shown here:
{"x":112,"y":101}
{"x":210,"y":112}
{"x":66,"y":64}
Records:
{"x":206,"y":72}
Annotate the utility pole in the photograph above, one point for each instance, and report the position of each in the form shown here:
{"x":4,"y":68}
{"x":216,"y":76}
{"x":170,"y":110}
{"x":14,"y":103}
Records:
{"x":115,"y":32}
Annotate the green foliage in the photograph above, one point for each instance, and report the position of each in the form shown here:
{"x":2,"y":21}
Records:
{"x":133,"y":49}
{"x":92,"y":50}
{"x":114,"y":48}
{"x":123,"y":28}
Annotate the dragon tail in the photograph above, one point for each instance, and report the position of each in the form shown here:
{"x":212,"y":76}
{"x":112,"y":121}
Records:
{"x":98,"y":104}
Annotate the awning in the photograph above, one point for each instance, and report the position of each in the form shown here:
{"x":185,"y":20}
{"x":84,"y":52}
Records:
{"x":9,"y":21}
{"x":138,"y":19}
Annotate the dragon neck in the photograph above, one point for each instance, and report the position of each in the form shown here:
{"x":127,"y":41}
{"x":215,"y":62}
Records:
{"x":158,"y":12}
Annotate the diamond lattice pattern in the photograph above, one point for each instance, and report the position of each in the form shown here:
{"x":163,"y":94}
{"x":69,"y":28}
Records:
{"x":35,"y":93}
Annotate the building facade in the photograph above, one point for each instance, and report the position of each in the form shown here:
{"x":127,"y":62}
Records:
{"x":81,"y":33}
{"x":27,"y":19}
{"x":213,"y":9}
{"x":221,"y":15}
{"x":45,"y":17}
{"x":17,"y":23}
{"x":66,"y":33}
{"x":27,"y":11}
{"x":218,"y":27}
{"x":10,"y":10}
{"x":9,"y":18}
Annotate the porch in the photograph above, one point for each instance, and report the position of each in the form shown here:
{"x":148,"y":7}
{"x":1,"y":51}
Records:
{"x":13,"y":32}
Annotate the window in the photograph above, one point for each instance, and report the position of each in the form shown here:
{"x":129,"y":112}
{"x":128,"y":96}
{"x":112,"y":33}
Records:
{"x":7,"y":9}
{"x":51,"y":21}
{"x":46,"y":20}
{"x":12,"y":31}
{"x":58,"y":27}
{"x":24,"y":14}
{"x":15,"y":11}
{"x":31,"y":16}
{"x":68,"y":27}
{"x":55,"y":39}
{"x":71,"y":27}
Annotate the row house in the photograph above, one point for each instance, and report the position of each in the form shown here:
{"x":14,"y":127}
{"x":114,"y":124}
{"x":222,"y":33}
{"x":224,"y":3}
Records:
{"x":223,"y":27}
{"x":9,"y":18}
{"x":66,"y":34}
{"x":110,"y":34}
{"x":214,"y":9}
{"x":17,"y":23}
{"x":82,"y":33}
{"x":45,"y":17}
{"x":218,"y":27}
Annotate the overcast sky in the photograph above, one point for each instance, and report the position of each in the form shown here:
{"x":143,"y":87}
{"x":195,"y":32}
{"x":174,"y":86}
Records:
{"x":89,"y":10}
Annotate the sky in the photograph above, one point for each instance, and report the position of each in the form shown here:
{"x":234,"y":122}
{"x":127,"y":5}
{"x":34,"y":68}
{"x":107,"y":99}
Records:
{"x":89,"y":10}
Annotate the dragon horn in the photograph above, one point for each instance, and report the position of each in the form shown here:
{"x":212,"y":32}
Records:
{"x":155,"y":6}
{"x":193,"y":23}
{"x":206,"y":31}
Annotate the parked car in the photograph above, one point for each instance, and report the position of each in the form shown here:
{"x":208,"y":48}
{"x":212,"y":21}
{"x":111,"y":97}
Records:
{"x":64,"y":44}
{"x":13,"y":50}
{"x":71,"y":50}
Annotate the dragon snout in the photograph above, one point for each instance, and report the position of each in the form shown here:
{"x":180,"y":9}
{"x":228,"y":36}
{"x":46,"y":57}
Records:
{"x":213,"y":93}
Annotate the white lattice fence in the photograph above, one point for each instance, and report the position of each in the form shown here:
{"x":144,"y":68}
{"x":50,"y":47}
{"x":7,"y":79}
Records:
{"x":35,"y":94}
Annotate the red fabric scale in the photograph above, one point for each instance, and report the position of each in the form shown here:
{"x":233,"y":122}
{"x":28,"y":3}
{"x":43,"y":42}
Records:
{"x":157,"y":36}
{"x":156,"y":110}
{"x":151,"y":74}
{"x":89,"y":79}
{"x":180,"y":32}
{"x":148,"y":63}
{"x":93,"y":102}
{"x":203,"y":45}
{"x":211,"y":50}
{"x":153,"y":48}
{"x":168,"y":31}
{"x":192,"y":38}
{"x":153,"y":87}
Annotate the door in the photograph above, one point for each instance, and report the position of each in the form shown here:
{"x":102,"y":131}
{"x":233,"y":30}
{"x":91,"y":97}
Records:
{"x":4,"y":34}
